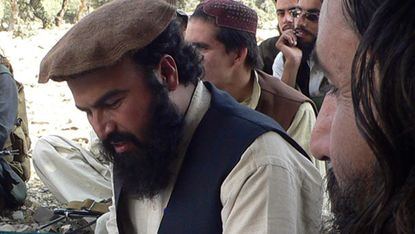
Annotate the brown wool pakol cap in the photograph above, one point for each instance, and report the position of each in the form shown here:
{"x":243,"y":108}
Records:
{"x":101,"y":38}
{"x":231,"y":14}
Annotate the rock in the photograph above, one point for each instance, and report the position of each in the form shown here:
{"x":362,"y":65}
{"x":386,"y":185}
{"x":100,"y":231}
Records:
{"x":7,"y":228}
{"x":42,"y":215}
{"x":23,"y":228}
{"x":65,"y":228}
{"x":18,"y":215}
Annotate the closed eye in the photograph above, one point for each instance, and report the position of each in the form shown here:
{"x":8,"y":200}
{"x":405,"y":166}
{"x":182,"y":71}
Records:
{"x":280,"y":13}
{"x":200,"y":46}
{"x":111,"y":99}
{"x":112,"y":104}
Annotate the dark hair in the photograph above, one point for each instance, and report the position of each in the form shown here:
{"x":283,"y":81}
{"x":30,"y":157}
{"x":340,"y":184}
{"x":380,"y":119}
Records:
{"x":182,"y":19}
{"x":233,"y":39}
{"x":383,"y":91}
{"x":170,"y":41}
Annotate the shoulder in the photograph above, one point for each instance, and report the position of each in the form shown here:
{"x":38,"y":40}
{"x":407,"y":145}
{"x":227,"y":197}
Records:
{"x":270,"y":158}
{"x":271,"y":149}
{"x":307,"y":109}
{"x":6,"y":81}
{"x":269,"y":43}
{"x":279,"y":89}
{"x":271,"y":174}
{"x":303,"y":121}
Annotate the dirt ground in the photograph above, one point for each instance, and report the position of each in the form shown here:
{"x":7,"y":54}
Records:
{"x":50,"y":110}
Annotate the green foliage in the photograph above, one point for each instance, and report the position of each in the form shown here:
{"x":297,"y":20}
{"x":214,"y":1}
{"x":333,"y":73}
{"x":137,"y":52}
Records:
{"x":41,"y":13}
{"x":3,"y":9}
{"x":266,"y":12}
{"x":4,"y":14}
{"x":187,"y":6}
{"x":97,"y":3}
{"x":264,"y":8}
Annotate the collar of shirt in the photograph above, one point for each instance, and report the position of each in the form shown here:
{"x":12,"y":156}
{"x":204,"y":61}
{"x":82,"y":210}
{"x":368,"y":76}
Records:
{"x":252,"y":101}
{"x":316,"y":77}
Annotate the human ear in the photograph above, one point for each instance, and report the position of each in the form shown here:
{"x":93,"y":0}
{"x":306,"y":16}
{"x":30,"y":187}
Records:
{"x":240,"y":56}
{"x":168,"y":72}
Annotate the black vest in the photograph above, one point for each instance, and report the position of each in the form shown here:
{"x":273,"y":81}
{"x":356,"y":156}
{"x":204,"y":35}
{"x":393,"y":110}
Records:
{"x":223,"y":135}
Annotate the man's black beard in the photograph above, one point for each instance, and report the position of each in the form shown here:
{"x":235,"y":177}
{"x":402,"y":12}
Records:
{"x":306,"y":47}
{"x":348,"y":201}
{"x":147,"y":170}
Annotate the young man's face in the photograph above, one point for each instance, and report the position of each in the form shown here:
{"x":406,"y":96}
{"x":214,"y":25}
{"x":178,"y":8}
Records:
{"x":306,"y":24}
{"x":217,"y":62}
{"x":285,"y":19}
{"x":335,"y":136}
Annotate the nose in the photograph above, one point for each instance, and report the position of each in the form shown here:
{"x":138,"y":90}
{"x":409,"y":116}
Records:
{"x":320,"y":137}
{"x":288,"y":18}
{"x":299,"y":21}
{"x":287,"y":21}
{"x":102,"y":124}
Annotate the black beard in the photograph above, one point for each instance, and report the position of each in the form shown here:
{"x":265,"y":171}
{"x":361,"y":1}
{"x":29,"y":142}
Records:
{"x":147,"y":170}
{"x":349,"y":200}
{"x":306,"y":47}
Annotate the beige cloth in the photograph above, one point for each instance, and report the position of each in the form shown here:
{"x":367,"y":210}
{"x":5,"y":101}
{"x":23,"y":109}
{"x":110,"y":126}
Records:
{"x":303,"y":123}
{"x":70,"y":171}
{"x":301,"y":127}
{"x":272,"y":189}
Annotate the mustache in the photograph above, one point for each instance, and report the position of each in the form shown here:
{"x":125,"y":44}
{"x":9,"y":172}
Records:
{"x":301,"y":28}
{"x":287,"y":26}
{"x":116,"y":137}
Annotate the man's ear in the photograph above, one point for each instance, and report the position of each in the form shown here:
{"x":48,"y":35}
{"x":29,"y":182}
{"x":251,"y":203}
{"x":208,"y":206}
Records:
{"x":240,"y":56}
{"x":168,"y":72}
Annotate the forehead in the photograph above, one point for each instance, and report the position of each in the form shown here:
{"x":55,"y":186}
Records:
{"x":285,"y":4}
{"x":336,"y":41}
{"x":310,"y":4}
{"x":199,"y":30}
{"x":94,"y":83}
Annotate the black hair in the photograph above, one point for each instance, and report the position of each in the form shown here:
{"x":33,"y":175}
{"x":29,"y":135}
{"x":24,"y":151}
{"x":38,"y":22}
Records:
{"x":383,"y":92}
{"x":171,"y":42}
{"x":233,"y":39}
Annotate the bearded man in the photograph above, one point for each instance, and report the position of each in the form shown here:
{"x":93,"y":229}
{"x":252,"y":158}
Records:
{"x":365,"y":128}
{"x":295,"y":64}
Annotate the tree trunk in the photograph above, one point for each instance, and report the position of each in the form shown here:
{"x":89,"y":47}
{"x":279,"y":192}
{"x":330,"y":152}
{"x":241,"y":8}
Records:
{"x":14,"y":15}
{"x":81,"y":10}
{"x":40,"y":13}
{"x":61,"y":13}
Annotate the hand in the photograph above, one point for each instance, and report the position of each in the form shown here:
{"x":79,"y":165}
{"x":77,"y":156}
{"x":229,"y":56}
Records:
{"x":287,"y":44}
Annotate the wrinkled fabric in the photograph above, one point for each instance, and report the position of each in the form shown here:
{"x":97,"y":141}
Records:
{"x":8,"y":106}
{"x":71,"y":172}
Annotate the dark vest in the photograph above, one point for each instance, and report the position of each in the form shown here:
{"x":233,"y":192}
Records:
{"x":278,"y":100}
{"x":267,"y":53}
{"x":223,"y":135}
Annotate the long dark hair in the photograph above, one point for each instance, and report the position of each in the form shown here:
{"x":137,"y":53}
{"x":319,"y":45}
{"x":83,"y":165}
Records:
{"x":383,"y":91}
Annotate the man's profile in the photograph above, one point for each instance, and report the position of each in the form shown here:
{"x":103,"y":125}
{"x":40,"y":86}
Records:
{"x":365,"y":126}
